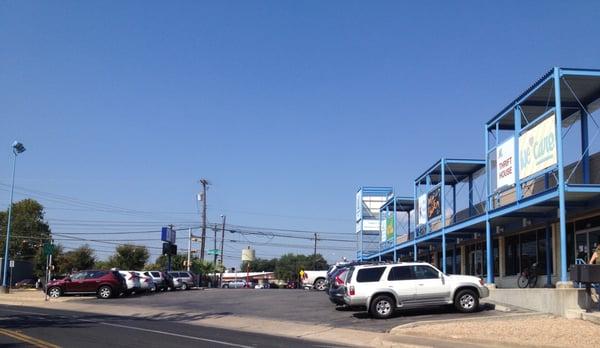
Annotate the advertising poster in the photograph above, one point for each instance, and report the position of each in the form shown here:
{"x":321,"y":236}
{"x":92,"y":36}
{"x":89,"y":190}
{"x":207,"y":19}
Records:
{"x":389,"y":227}
{"x":422,"y":206}
{"x":505,"y":166}
{"x":537,"y":148}
{"x":434,"y":203}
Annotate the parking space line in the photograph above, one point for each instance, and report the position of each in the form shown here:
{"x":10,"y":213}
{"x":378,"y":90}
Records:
{"x":177,"y":335}
{"x":28,"y":339}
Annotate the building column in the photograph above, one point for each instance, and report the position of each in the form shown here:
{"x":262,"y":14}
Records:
{"x":489,"y":252}
{"x":501,"y":257}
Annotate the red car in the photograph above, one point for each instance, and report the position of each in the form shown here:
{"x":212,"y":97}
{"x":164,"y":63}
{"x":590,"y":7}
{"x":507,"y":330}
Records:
{"x":105,"y":284}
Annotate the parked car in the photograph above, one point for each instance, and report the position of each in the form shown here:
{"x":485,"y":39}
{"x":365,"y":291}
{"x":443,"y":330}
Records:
{"x":183,"y":280}
{"x":159,"y":279}
{"x":132,"y":280}
{"x":315,"y":279}
{"x":337,"y":288}
{"x":384,"y":288}
{"x":105,"y":284}
{"x":25,"y":283}
{"x":236,"y":284}
{"x":146,"y":282}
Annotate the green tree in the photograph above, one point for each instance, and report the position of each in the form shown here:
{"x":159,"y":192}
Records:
{"x":289,"y":265}
{"x":100,"y":264}
{"x":75,"y":260}
{"x":177,"y":261}
{"x":28,"y":230}
{"x":128,"y":256}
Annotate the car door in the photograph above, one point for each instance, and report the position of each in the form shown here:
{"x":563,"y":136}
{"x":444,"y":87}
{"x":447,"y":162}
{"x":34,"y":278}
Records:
{"x":431,"y":286}
{"x":401,"y":280}
{"x":75,"y":282}
{"x":92,"y":281}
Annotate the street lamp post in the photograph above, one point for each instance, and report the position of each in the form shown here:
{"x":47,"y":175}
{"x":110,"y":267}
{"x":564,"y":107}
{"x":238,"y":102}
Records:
{"x":17,"y":149}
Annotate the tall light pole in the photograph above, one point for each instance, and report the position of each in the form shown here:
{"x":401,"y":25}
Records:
{"x":17,"y":149}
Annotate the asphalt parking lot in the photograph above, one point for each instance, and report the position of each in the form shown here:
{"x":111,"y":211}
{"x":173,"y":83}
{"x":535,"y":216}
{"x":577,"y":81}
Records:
{"x":306,"y":306}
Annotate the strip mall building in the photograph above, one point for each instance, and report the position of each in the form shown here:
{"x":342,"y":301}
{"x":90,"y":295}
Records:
{"x":534,"y":197}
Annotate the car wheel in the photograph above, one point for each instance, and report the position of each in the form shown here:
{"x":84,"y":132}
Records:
{"x":184,"y":286}
{"x":320,"y":284}
{"x":225,"y":286}
{"x":466,"y":301}
{"x":105,"y":292}
{"x":54,"y":292}
{"x":382,"y":307}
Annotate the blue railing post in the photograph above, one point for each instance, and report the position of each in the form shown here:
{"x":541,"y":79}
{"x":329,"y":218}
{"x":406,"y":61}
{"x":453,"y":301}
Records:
{"x":443,"y":208}
{"x":517,"y":155}
{"x":585,"y":153}
{"x":562,"y":209}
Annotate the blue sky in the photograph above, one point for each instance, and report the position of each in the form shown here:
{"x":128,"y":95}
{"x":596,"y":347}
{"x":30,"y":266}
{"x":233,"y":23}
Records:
{"x":286,"y":107}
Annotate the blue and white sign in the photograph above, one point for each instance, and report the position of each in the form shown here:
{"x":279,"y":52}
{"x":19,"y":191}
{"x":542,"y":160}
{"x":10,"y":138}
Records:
{"x":168,"y":235}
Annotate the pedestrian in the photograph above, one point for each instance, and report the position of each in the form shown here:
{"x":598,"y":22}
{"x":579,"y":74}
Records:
{"x":595,"y":260}
{"x":301,"y":278}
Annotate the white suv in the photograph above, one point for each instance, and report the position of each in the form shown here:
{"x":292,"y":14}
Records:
{"x":384,"y":288}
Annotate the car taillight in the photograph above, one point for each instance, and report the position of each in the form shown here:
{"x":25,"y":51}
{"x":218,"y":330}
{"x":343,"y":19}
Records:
{"x":147,"y":280}
{"x":351,"y":291}
{"x":339,"y":281}
{"x":481,"y":281}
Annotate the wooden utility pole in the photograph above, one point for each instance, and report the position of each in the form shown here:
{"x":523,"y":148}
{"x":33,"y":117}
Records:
{"x":215,"y":229}
{"x":315,"y":254}
{"x":222,"y":241}
{"x":205,"y":184}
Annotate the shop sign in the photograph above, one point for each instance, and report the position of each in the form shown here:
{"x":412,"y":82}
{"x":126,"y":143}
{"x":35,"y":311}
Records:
{"x":434,"y":204}
{"x":505,"y":166}
{"x":537,"y":148}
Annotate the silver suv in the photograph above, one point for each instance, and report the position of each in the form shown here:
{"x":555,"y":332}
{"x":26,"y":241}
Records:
{"x":385,"y":288}
{"x":183,"y":280}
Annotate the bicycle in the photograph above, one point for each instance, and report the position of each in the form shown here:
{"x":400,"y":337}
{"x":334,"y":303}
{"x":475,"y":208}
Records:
{"x":528,"y":277}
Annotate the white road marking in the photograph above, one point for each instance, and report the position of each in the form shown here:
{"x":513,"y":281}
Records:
{"x":177,"y":335}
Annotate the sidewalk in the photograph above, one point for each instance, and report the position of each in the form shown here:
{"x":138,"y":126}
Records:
{"x":539,"y":330}
{"x":26,"y":297}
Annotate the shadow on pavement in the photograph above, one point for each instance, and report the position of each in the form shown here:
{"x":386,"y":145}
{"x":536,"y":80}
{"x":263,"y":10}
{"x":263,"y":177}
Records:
{"x":449,"y":309}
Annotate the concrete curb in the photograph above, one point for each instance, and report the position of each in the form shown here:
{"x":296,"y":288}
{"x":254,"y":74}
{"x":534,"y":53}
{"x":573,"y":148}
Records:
{"x":397,"y":329}
{"x":591,"y":317}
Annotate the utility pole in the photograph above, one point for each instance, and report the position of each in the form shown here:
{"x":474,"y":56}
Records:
{"x":205,"y":184}
{"x":222,"y":241}
{"x":189,"y":258}
{"x":215,"y":228}
{"x":315,"y":254}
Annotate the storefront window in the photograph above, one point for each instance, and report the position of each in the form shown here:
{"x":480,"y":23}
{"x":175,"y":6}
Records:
{"x":523,"y":250}
{"x":511,"y":254}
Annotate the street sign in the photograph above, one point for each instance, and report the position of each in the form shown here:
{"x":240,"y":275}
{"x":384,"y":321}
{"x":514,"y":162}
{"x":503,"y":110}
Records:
{"x":48,"y":249}
{"x":12,"y":264}
{"x":214,"y":252}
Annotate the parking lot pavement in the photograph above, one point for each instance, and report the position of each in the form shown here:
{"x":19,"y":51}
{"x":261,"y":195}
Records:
{"x":307,"y":306}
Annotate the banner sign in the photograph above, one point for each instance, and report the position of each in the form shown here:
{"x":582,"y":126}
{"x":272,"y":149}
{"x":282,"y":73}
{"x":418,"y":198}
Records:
{"x":358,"y":205}
{"x":505,"y":170}
{"x":537,"y":148}
{"x":422,"y":206}
{"x":371,"y":225}
{"x":434,"y":203}
{"x":389,"y":227}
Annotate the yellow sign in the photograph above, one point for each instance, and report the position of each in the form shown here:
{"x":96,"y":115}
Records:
{"x":537,"y":148}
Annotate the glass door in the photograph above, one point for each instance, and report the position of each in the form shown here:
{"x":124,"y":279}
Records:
{"x":581,"y":247}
